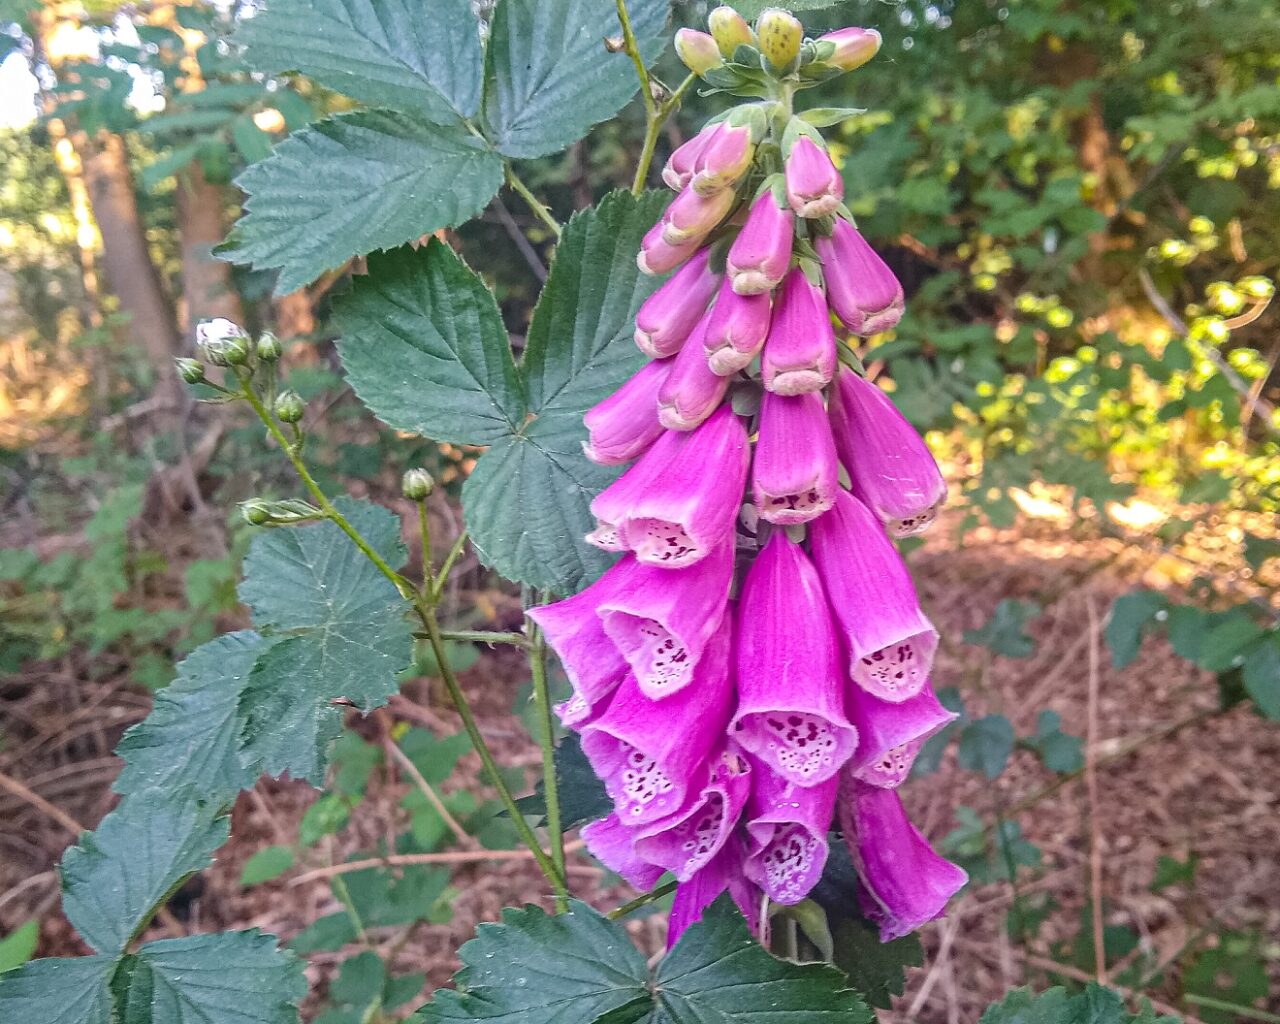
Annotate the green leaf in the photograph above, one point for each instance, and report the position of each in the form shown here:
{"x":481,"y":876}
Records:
{"x":424,"y":347}
{"x":226,"y":978}
{"x":192,"y":736}
{"x":579,"y":351}
{"x":325,"y":934}
{"x":347,"y":637}
{"x":1229,"y":642}
{"x":268,"y":863}
{"x":1258,"y":550}
{"x":61,"y":991}
{"x":1171,"y":871}
{"x":1095,"y":1005}
{"x":1262,"y":677}
{"x":582,"y":794}
{"x":374,"y":180}
{"x":876,"y":970}
{"x":420,"y":58}
{"x":1005,"y":632}
{"x":538,"y":969}
{"x":985,"y":745}
{"x":117,"y":875}
{"x":1130,"y":615}
{"x":548,"y":75}
{"x":1059,"y":751}
{"x":19,"y":946}
{"x":253,"y":143}
{"x":719,"y":974}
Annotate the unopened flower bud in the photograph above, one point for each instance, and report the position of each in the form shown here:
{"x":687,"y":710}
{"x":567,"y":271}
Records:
{"x":657,"y":256}
{"x":862,"y":290}
{"x":259,"y":512}
{"x":269,"y":348}
{"x":222,"y":342}
{"x":724,"y":159}
{"x":698,"y":51}
{"x":256,"y":512}
{"x":417,"y":485}
{"x":853,"y":47}
{"x":681,"y":165}
{"x":730,"y":30}
{"x":761,"y":254}
{"x":290,"y":407}
{"x":780,"y":35}
{"x":814,"y":186}
{"x":190,"y":370}
{"x":691,"y":217}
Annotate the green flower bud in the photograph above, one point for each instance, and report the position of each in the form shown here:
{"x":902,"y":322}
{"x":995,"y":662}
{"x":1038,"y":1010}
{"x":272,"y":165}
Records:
{"x":258,"y":512}
{"x":730,"y":30}
{"x":698,"y":51}
{"x":417,"y":485}
{"x":290,"y":406}
{"x":190,"y":370}
{"x":780,"y":36}
{"x":222,"y":342}
{"x":269,"y":347}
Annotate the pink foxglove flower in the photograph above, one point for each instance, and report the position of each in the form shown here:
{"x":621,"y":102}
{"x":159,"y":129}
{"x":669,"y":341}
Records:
{"x":649,"y":768}
{"x":890,"y":642}
{"x":663,"y":620}
{"x":681,"y":499}
{"x":724,"y":160}
{"x":670,"y":314}
{"x":692,"y":390}
{"x":694,"y":896}
{"x":904,"y":883}
{"x":625,"y":424}
{"x":657,"y":256}
{"x":790,"y":691}
{"x":787,"y":826}
{"x":853,"y":47}
{"x":686,"y":842}
{"x":862,"y":290}
{"x":814,"y":186}
{"x":795,"y":475}
{"x":613,"y":844}
{"x":682,"y":163}
{"x":889,"y":465}
{"x":591,"y":660}
{"x":800,"y":354}
{"x":761,"y":254}
{"x":890,"y":735}
{"x":691,"y":217}
{"x":736,"y":330}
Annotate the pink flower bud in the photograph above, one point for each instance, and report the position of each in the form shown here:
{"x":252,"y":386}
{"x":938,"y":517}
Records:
{"x":724,"y":160}
{"x":670,"y":314}
{"x":891,"y":468}
{"x":657,"y":256}
{"x":761,"y":254}
{"x":698,"y":51}
{"x":904,"y":883}
{"x":681,"y":165}
{"x":613,"y":844}
{"x":814,"y":186}
{"x":692,"y":391}
{"x":795,"y":475}
{"x":890,"y":735}
{"x":800,"y":354}
{"x":853,"y":47}
{"x":787,"y":827}
{"x":862,"y":290}
{"x":736,"y":329}
{"x":625,"y":424}
{"x":691,"y":217}
{"x":890,"y":642}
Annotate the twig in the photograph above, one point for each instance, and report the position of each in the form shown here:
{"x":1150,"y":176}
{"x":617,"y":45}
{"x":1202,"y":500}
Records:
{"x":465,"y":839}
{"x":1247,"y":1012}
{"x":41,"y":804}
{"x":940,"y":960}
{"x":1091,"y":787}
{"x":517,"y":237}
{"x":409,"y":859}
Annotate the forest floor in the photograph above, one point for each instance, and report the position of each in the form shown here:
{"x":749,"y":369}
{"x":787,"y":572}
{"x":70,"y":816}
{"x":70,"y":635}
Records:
{"x":1200,"y":784}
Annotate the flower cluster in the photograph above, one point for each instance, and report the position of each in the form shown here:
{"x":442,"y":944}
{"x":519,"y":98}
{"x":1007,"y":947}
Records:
{"x":756,"y":666}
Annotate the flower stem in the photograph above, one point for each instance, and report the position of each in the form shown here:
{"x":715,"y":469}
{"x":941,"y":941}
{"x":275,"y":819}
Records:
{"x":641,"y":901}
{"x":633,"y":51}
{"x":446,"y":567}
{"x":485,"y":636}
{"x":546,"y":739}
{"x":535,"y":204}
{"x":424,"y":532}
{"x":653,"y":126}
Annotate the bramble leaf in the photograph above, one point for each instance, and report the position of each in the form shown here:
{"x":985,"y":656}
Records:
{"x":1005,"y":632}
{"x":582,"y":794}
{"x":1130,"y":616}
{"x":985,"y":745}
{"x":59,"y":991}
{"x":1095,"y":1005}
{"x":1262,"y":677}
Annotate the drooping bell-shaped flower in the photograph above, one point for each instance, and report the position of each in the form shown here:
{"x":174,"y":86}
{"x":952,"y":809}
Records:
{"x":890,"y":467}
{"x":761,"y":254}
{"x":684,"y":843}
{"x":890,"y":735}
{"x":613,"y":844}
{"x":890,"y":642}
{"x":787,"y":828}
{"x":904,"y":883}
{"x":853,"y":47}
{"x":736,"y":329}
{"x":657,"y":255}
{"x":625,"y":424}
{"x":723,"y":872}
{"x":670,"y":314}
{"x":814,"y":186}
{"x":681,"y":499}
{"x":680,"y":166}
{"x":651,"y":767}
{"x":663,"y":620}
{"x":692,"y":390}
{"x":795,"y":474}
{"x":862,"y":290}
{"x":591,"y":659}
{"x":800,"y":354}
{"x":691,"y":216}
{"x":725,"y":159}
{"x":790,"y":688}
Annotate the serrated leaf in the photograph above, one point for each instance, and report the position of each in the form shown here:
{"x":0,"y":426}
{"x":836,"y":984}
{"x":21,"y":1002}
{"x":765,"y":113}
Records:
{"x":548,"y":75}
{"x":116,"y":876}
{"x":579,"y":351}
{"x":1228,"y":643}
{"x":1005,"y":632}
{"x":875,"y":969}
{"x":1059,"y":751}
{"x":1130,"y":615}
{"x":538,"y":969}
{"x":1262,"y":677}
{"x":752,"y":8}
{"x":420,"y":58}
{"x":349,"y":637}
{"x":192,"y":736}
{"x":986,"y":744}
{"x":374,"y":180}
{"x":328,"y":933}
{"x":424,"y":347}
{"x":59,"y":991}
{"x":1095,"y":1005}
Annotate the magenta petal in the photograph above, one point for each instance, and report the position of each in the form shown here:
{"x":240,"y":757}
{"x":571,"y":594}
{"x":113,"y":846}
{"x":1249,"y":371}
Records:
{"x":736,"y":329}
{"x":680,"y":166}
{"x":624,"y":425}
{"x":790,"y":689}
{"x":682,"y":498}
{"x":591,"y":659}
{"x":613,"y":844}
{"x":761,"y":254}
{"x":890,"y":642}
{"x":685,"y":842}
{"x":724,"y":160}
{"x":814,"y":186}
{"x":657,"y":256}
{"x":649,"y":766}
{"x":692,"y":391}
{"x":787,"y":825}
{"x":800,"y":354}
{"x":694,"y":896}
{"x":691,"y":217}
{"x":905,"y":882}
{"x":795,"y":474}
{"x":861,"y":288}
{"x":890,"y":735}
{"x":891,"y":468}
{"x":670,"y":314}
{"x":662,"y":620}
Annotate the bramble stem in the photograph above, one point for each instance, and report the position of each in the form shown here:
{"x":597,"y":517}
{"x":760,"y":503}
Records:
{"x":535,"y":204}
{"x":424,"y":533}
{"x":641,"y":901}
{"x":547,"y":740}
{"x":442,"y":577}
{"x":653,"y":128}
{"x":485,"y":636}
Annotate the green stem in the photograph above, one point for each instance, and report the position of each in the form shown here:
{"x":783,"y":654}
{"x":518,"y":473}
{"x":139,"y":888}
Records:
{"x":641,"y":901}
{"x":633,"y":51}
{"x":424,"y":533}
{"x":485,"y":636}
{"x":1248,"y":1012}
{"x":535,"y":204}
{"x":547,"y":740}
{"x":442,"y":577}
{"x":653,"y":126}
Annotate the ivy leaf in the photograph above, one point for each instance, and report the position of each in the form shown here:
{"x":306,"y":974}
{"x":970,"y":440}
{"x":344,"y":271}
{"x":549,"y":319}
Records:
{"x":1130,"y":616}
{"x":347,"y":636}
{"x":1262,"y":677}
{"x":549,"y":76}
{"x":59,"y":991}
{"x":117,"y":875}
{"x":192,"y":736}
{"x":1095,"y":1005}
{"x":540,"y":969}
{"x":374,"y":180}
{"x":395,"y":53}
{"x":582,"y":794}
{"x":1005,"y":632}
{"x":424,"y":348}
{"x":719,"y":974}
{"x":579,"y":350}
{"x":985,"y":745}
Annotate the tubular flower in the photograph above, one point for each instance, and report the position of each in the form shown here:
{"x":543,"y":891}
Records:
{"x":890,"y":735}
{"x":692,"y":390}
{"x":795,"y":475}
{"x":679,"y":169}
{"x":814,"y":186}
{"x":853,"y":47}
{"x":736,"y":330}
{"x":724,"y":159}
{"x":787,"y":828}
{"x":723,"y":872}
{"x":891,"y":468}
{"x":761,"y":254}
{"x":691,"y":216}
{"x":591,"y":660}
{"x":657,"y":256}
{"x":625,"y":424}
{"x":613,"y":844}
{"x":862,"y":290}
{"x":800,"y":354}
{"x":670,"y":314}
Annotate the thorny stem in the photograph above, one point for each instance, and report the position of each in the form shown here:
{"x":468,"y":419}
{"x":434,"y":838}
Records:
{"x":633,"y":51}
{"x":535,"y":204}
{"x":641,"y":901}
{"x":547,"y":740}
{"x":653,"y":126}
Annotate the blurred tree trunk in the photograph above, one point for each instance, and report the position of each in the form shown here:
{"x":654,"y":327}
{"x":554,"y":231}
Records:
{"x":207,"y":287}
{"x":295,"y":314}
